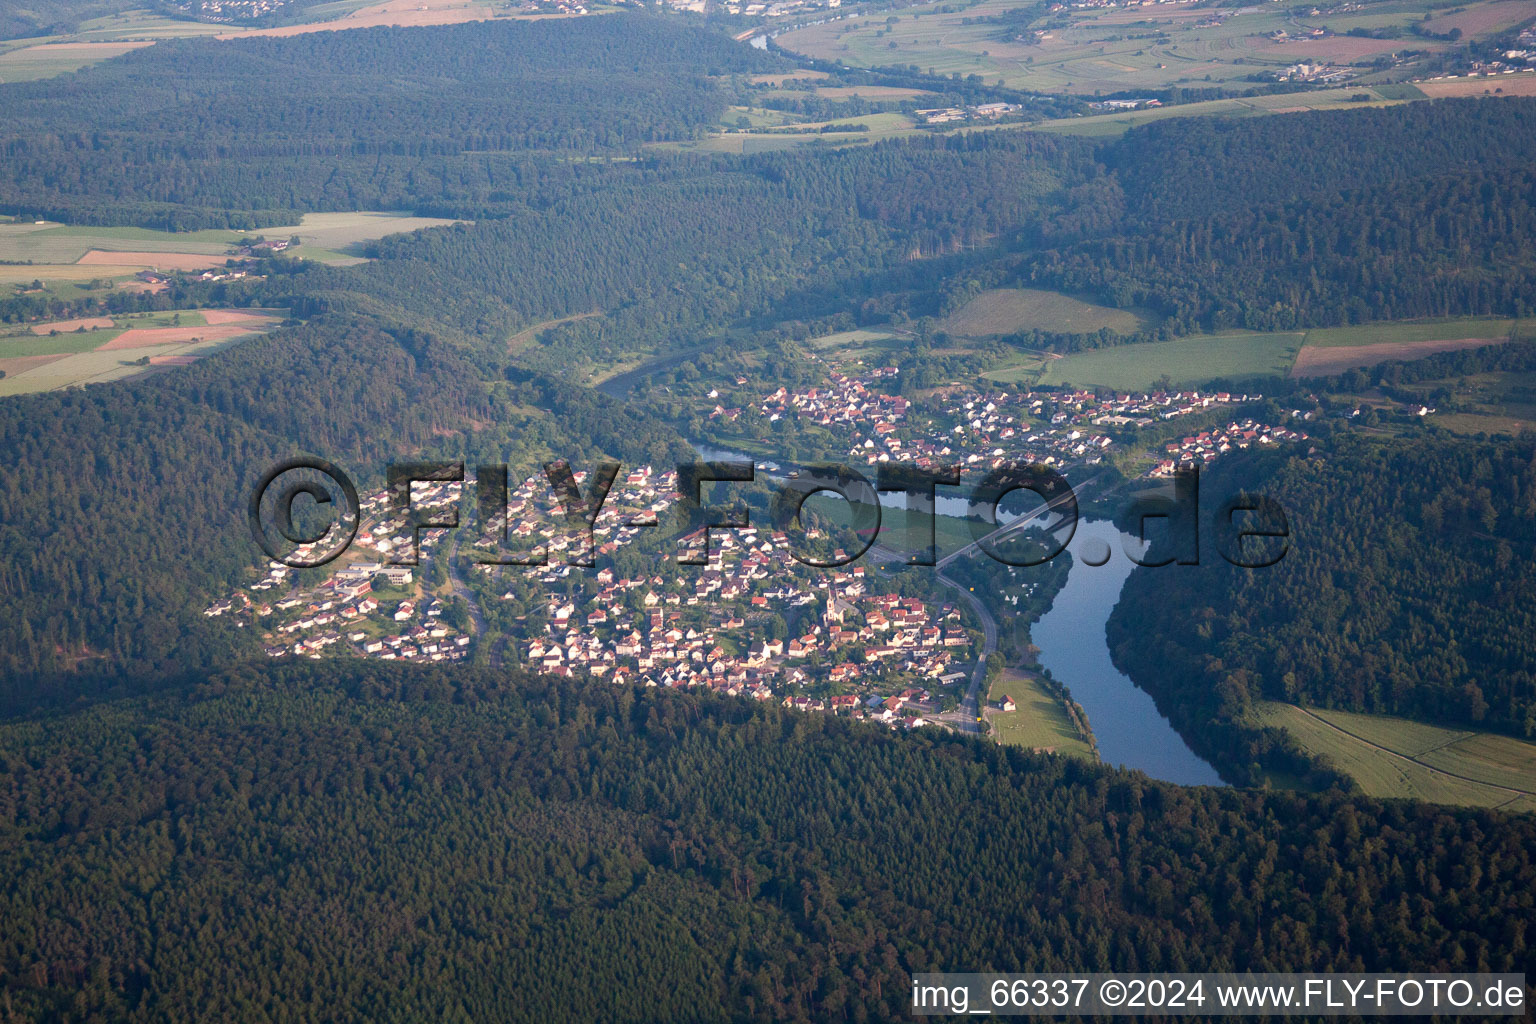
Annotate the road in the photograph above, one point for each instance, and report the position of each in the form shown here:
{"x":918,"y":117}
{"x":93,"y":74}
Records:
{"x":461,"y":589}
{"x":970,"y":707}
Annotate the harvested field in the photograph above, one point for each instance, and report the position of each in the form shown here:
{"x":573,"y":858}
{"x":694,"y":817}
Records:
{"x":88,"y":322}
{"x":217,"y":317}
{"x":162,"y":348}
{"x":1315,"y":361}
{"x":1521,"y":84}
{"x":151,"y":260}
{"x":1481,"y":19}
{"x":20,"y":364}
{"x":144,"y":337}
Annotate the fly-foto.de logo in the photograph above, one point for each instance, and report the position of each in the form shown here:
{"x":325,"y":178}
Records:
{"x":305,"y":512}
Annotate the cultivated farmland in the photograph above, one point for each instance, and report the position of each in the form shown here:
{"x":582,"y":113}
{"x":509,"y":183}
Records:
{"x":47,"y":357}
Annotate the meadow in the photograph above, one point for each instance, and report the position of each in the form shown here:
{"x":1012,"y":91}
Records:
{"x":1039,"y":722}
{"x":905,"y":533}
{"x":30,"y":63}
{"x":1395,"y":757}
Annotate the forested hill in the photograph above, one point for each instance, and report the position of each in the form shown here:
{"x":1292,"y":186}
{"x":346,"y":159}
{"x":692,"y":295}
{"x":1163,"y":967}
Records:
{"x":200,"y":133}
{"x":1311,"y":220}
{"x":707,"y":244}
{"x":1191,"y":168}
{"x":1402,"y":593}
{"x":389,"y":843}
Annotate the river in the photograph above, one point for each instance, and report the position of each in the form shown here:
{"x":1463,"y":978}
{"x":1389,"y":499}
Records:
{"x":1072,"y":645}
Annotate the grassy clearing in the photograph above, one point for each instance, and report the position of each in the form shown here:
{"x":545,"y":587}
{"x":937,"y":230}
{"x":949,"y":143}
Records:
{"x":1019,"y":367}
{"x":852,"y":351}
{"x":1040,"y":723}
{"x":528,"y":334}
{"x":1395,"y":757}
{"x":1191,"y":360}
{"x":1007,"y":310}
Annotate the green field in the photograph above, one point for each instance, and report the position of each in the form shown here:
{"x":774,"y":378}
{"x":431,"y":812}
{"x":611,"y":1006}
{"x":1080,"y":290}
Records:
{"x":1008,"y":310}
{"x":1040,"y":723}
{"x":1408,"y":331}
{"x":24,"y":345}
{"x":1191,"y":360}
{"x":1109,"y":50}
{"x":1395,"y":757}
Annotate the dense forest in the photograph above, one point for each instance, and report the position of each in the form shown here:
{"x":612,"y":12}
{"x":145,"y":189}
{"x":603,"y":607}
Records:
{"x":1312,"y":220}
{"x":401,"y":843}
{"x":1402,"y":593}
{"x":198,"y":133}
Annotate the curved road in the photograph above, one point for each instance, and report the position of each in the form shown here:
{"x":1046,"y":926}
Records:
{"x":461,"y":589}
{"x":970,"y":707}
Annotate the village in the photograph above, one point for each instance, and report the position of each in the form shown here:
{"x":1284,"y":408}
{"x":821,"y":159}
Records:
{"x":1206,"y":446}
{"x":984,"y":430}
{"x":724,"y":625}
{"x":621,"y":601}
